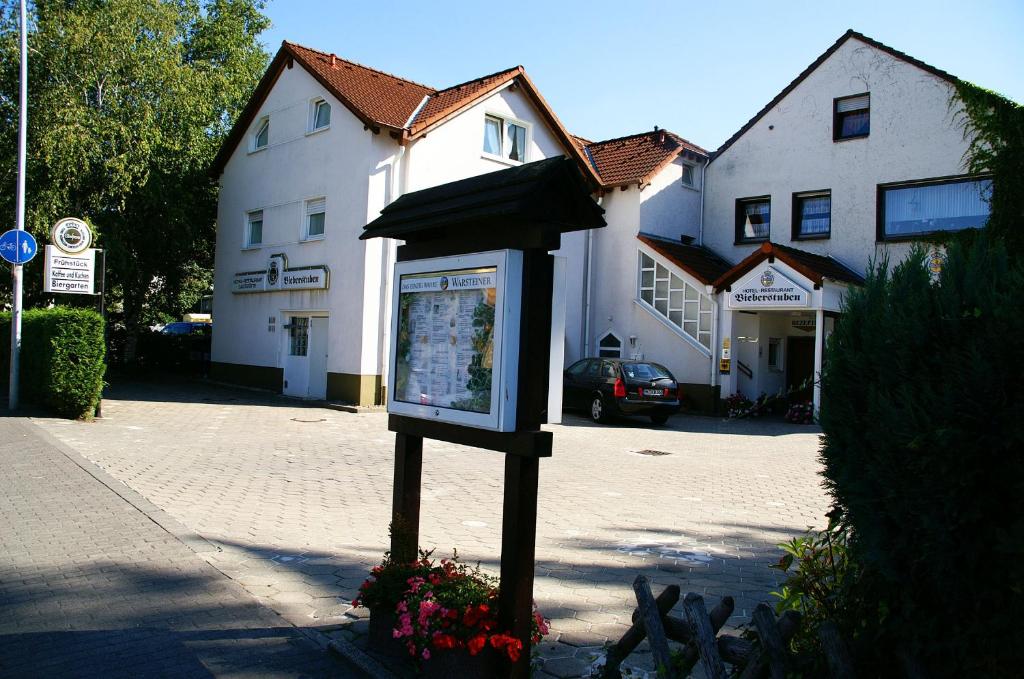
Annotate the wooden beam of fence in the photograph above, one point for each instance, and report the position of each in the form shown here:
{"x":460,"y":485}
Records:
{"x":758,"y":658}
{"x":652,"y":624}
{"x":836,"y":652}
{"x":636,"y":634}
{"x":704,"y":636}
{"x":718,"y":617}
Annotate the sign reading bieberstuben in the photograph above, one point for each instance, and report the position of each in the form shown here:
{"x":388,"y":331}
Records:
{"x":278,"y":277}
{"x":767,"y":287}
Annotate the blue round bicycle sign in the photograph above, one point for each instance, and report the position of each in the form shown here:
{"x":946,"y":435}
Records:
{"x":17,"y":246}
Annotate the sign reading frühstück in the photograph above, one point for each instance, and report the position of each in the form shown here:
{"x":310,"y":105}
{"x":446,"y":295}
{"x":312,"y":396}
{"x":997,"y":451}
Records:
{"x":70,"y":273}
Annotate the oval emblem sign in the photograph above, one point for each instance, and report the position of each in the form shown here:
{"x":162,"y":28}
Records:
{"x":71,"y":235}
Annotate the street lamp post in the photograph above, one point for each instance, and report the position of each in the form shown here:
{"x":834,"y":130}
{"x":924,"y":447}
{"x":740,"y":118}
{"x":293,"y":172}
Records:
{"x":20,"y":217}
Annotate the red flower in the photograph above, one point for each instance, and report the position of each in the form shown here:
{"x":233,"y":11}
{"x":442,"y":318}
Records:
{"x":445,"y":641}
{"x":476,"y":644}
{"x":475,"y":614}
{"x":513,"y":647}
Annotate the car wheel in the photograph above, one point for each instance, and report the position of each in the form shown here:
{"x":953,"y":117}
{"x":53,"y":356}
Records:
{"x":597,"y":413}
{"x":659,"y":419}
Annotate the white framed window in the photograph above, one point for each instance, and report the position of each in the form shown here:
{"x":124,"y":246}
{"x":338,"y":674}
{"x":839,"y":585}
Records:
{"x":254,"y":229}
{"x":775,"y":353}
{"x":314,"y":221}
{"x":689,"y":179}
{"x":680,"y":303}
{"x":505,"y":139}
{"x":609,"y":346}
{"x":261,"y":137}
{"x":319,"y":115}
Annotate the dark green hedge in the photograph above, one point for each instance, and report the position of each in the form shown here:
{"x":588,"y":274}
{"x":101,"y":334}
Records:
{"x":923,"y":415}
{"x":62,"y":352}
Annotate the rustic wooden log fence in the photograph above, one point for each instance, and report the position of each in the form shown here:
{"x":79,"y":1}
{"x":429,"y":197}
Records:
{"x":698,"y":634}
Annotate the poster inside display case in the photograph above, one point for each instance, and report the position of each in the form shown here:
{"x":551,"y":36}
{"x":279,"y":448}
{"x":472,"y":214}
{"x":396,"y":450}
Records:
{"x":455,"y":338}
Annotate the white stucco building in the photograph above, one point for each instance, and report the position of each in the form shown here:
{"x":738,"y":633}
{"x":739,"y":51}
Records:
{"x":727,"y":267}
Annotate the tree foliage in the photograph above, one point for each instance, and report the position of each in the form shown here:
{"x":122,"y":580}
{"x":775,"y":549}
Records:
{"x":129,"y":101}
{"x":994,"y":128}
{"x":924,"y":456}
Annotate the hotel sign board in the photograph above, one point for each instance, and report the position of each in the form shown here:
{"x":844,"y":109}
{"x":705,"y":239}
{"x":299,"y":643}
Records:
{"x":767,"y":287}
{"x":279,"y":278}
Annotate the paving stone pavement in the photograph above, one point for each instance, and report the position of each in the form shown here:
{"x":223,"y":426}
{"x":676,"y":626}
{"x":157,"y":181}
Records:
{"x":92,"y":586}
{"x":298,"y":500}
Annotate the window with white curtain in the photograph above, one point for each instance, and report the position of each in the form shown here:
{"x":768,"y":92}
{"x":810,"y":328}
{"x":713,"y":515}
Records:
{"x":753,"y":219}
{"x":668,"y":295}
{"x":254,"y":228}
{"x":316,"y":213}
{"x":851,"y":117}
{"x":812,"y":215}
{"x":917,"y":209}
{"x":505,"y":139}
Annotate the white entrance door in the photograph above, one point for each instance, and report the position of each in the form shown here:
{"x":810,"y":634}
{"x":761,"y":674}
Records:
{"x":318,"y":358}
{"x":296,"y":359}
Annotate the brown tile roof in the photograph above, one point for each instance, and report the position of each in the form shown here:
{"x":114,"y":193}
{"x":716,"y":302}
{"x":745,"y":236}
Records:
{"x":700,"y":262}
{"x":814,"y":267}
{"x":382,"y":100}
{"x":939,"y":73}
{"x":371,"y":94}
{"x":638,"y":157}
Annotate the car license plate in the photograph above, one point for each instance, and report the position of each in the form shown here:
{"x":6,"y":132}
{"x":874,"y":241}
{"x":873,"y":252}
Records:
{"x":652,"y":392}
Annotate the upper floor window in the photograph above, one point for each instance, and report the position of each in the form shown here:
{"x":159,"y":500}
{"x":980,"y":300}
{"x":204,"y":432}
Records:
{"x":254,"y":228}
{"x":609,"y":346}
{"x":683,"y":305}
{"x":851,"y":117}
{"x":262,"y":136}
{"x":915,"y":209}
{"x":316,"y":213}
{"x":505,"y":139}
{"x":688,"y":179}
{"x":812,"y":215}
{"x":320,"y":115}
{"x":753,"y":219}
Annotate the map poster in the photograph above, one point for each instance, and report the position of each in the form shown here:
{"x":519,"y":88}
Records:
{"x":445,"y":343}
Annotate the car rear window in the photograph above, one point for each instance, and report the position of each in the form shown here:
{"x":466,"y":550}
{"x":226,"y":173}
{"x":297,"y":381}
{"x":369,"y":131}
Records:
{"x":645,"y":371}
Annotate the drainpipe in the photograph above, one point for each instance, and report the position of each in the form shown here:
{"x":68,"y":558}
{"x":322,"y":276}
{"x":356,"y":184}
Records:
{"x":703,"y":177}
{"x":714,"y":335}
{"x":388,"y":256}
{"x":587,"y":268}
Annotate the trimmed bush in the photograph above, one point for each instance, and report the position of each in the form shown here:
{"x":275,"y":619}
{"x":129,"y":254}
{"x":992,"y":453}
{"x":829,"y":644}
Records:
{"x":62,"y":352}
{"x":923,"y":416}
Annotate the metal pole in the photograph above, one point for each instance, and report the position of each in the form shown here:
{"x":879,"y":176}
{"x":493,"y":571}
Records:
{"x":12,"y":396}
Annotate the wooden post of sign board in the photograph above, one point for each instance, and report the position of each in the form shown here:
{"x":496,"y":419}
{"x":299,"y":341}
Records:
{"x":405,"y":500}
{"x":519,"y":514}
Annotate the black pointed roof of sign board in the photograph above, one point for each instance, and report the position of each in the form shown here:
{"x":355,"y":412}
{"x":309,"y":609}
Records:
{"x":550,"y":195}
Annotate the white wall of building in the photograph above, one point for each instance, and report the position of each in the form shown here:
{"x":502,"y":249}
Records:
{"x":913,"y":135}
{"x":667,"y":207}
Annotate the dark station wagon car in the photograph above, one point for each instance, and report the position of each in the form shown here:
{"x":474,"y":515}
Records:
{"x":605,"y":387}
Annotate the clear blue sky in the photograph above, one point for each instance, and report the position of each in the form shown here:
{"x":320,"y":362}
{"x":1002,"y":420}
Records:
{"x":608,"y":69}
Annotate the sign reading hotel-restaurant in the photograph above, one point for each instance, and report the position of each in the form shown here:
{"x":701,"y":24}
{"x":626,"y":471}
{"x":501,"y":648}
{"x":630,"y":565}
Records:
{"x":70,"y":264}
{"x":767,"y":287}
{"x":278,"y":277}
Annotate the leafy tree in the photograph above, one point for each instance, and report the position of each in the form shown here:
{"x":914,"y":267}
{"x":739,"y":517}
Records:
{"x":129,"y":101}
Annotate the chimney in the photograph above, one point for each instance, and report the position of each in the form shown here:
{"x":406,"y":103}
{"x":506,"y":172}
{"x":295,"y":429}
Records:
{"x":334,"y":59}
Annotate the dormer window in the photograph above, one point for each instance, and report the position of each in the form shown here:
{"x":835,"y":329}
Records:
{"x":320,"y":115}
{"x":262,"y":136}
{"x":504,"y":139}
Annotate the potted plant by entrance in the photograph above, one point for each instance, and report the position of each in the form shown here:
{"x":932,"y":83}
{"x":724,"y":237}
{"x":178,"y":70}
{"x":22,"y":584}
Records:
{"x":443,"y":615}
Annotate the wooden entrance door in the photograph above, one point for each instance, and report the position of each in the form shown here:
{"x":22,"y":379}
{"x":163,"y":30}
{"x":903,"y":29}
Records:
{"x":800,"y":369}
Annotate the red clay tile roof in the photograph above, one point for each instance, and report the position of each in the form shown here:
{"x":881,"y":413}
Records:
{"x":445,"y":102}
{"x":700,"y":262}
{"x":382,"y":100}
{"x":638,"y":157}
{"x":380,"y":97}
{"x":814,"y":267}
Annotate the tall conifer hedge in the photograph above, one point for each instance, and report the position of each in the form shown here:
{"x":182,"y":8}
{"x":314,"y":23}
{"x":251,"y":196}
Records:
{"x":923,"y":416}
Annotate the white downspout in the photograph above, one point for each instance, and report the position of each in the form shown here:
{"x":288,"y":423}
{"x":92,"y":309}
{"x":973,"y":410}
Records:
{"x":587,"y":269}
{"x":389,"y":254}
{"x":703,"y":178}
{"x":714,"y":335}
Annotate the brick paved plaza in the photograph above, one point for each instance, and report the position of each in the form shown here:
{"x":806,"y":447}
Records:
{"x":297,"y":500}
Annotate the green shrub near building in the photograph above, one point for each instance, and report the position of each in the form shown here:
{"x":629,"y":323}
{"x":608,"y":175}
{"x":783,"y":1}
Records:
{"x":62,"y":358}
{"x":923,"y":449}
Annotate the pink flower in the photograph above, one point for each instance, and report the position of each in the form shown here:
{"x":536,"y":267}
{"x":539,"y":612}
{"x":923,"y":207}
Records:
{"x":426,"y":654}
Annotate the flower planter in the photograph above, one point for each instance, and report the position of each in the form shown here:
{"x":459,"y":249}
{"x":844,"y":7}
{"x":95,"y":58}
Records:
{"x":380,"y":639}
{"x":459,"y":663}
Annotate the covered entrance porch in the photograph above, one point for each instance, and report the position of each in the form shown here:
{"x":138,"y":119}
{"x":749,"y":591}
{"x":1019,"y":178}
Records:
{"x":777,"y":308}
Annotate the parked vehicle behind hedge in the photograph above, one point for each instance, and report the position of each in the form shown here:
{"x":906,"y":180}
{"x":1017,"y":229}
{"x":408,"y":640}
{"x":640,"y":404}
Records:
{"x":62,"y":358}
{"x":181,"y":347}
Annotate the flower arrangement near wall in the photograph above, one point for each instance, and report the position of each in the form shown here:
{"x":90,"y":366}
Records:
{"x":800,"y":413}
{"x":442,"y":606}
{"x":738,"y":405}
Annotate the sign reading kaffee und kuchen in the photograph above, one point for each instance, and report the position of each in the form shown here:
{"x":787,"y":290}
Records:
{"x":767,"y":287}
{"x":278,"y":277}
{"x":70,"y":264}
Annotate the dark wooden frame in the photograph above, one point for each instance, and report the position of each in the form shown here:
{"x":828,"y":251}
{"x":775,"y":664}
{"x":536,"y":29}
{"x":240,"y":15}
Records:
{"x":836,"y":119}
{"x":881,"y":236}
{"x":740,"y":216}
{"x":797,"y":216}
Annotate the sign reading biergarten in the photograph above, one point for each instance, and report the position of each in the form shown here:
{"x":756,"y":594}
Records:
{"x":767,"y":287}
{"x":70,"y":264}
{"x":445,"y":343}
